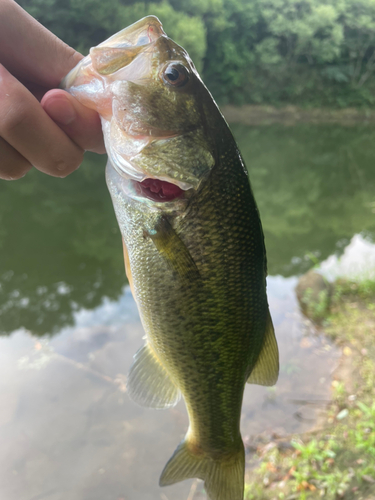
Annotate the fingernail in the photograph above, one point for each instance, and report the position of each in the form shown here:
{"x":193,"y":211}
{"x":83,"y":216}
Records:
{"x":60,"y":110}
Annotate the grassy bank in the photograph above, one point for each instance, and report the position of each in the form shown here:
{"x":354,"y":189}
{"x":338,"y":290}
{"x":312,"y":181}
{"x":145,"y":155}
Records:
{"x":337,"y":459}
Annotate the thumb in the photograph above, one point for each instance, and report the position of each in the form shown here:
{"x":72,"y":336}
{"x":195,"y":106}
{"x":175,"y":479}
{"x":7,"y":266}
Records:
{"x":79,"y":123}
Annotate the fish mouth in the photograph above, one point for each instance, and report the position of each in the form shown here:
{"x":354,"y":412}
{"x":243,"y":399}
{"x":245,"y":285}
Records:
{"x":125,"y":153}
{"x":157,"y":190}
{"x":152,"y":192}
{"x":115,"y":53}
{"x":141,"y":33}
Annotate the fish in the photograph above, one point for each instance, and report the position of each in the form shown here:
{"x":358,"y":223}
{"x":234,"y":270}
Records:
{"x":193,"y":246}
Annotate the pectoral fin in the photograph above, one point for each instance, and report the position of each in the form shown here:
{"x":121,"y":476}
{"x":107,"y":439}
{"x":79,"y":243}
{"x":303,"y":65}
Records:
{"x":266,"y":369}
{"x":148,"y":382}
{"x":174,"y":251}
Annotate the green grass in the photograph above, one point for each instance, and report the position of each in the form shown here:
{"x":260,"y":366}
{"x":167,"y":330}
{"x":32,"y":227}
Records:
{"x":337,"y":461}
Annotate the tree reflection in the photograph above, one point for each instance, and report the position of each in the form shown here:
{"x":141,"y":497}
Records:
{"x":60,"y":247}
{"x":314,"y":186}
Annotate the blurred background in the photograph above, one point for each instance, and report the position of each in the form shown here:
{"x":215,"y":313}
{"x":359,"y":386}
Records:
{"x":296,"y":82}
{"x":305,"y":52}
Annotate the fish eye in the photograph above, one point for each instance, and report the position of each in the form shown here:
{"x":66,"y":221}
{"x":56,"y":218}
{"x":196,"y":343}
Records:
{"x":175,"y":74}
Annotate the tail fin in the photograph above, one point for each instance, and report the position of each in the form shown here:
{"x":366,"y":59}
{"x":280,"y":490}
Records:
{"x":223,"y":478}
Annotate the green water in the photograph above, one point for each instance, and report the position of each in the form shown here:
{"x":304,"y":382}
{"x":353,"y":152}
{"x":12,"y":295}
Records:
{"x":70,"y":326}
{"x":315,"y":190}
{"x":60,"y":247}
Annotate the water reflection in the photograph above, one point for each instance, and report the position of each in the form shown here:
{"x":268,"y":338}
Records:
{"x":315,"y":187}
{"x":67,"y":428}
{"x":356,"y":263}
{"x":60,"y":247}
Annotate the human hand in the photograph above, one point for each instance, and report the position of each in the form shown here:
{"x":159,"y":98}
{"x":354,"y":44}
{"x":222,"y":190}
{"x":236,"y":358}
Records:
{"x":52,"y":134}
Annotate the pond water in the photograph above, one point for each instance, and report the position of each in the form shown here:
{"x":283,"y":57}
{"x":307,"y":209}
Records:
{"x":69,"y":325}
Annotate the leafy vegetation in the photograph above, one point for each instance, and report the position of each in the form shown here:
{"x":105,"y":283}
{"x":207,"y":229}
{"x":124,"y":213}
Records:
{"x":337,"y":460}
{"x":305,"y":52}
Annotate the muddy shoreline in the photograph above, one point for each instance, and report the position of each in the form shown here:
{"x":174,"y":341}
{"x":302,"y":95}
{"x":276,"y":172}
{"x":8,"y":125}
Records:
{"x":256,"y":115}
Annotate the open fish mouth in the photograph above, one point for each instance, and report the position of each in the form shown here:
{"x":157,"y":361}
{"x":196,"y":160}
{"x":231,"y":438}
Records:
{"x":157,"y":190}
{"x":150,"y":191}
{"x":126,"y":155}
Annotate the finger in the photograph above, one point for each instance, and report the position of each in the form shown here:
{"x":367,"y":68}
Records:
{"x":27,"y":127}
{"x":80,"y":123}
{"x":12,"y":164}
{"x":32,"y":52}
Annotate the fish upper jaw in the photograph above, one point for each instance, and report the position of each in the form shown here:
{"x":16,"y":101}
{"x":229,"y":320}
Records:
{"x":118,"y":51}
{"x":141,"y":33}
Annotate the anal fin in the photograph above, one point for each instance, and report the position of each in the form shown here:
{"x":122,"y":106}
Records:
{"x":266,"y":369}
{"x":148,"y":382}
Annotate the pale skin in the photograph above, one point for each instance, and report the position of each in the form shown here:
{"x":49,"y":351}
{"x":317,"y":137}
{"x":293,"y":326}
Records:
{"x":40,"y":126}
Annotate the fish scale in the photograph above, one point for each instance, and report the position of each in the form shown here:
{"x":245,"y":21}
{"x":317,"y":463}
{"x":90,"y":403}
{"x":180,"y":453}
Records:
{"x":216,"y":322}
{"x":196,"y":259}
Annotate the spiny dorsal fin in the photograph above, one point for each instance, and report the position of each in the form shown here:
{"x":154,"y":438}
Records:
{"x":266,"y":369}
{"x":148,"y":382}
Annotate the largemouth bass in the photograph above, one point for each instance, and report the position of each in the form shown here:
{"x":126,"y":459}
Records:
{"x":193,"y":246}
